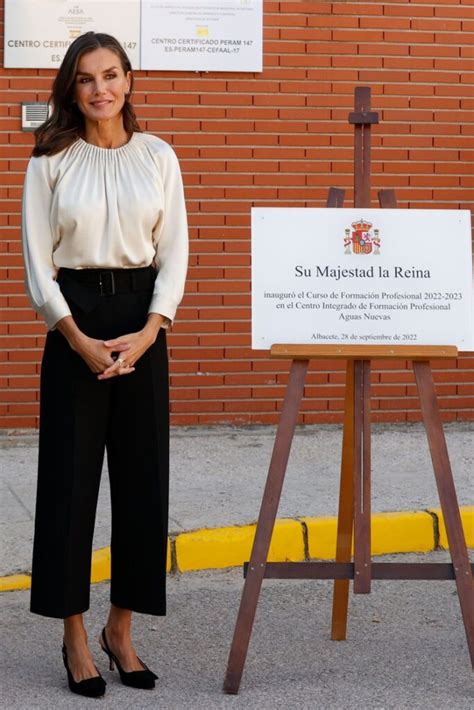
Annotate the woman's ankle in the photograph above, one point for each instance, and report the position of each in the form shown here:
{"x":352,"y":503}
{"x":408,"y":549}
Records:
{"x":117,"y":633}
{"x":119,"y":624}
{"x":74,"y":631}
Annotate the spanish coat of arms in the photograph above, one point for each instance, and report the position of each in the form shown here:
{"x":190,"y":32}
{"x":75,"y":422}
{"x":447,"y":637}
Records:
{"x":362,"y":239}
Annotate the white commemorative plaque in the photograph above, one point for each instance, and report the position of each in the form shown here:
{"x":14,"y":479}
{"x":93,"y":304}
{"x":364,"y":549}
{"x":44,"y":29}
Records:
{"x":38,"y":32}
{"x":202,"y":35}
{"x":362,"y":276}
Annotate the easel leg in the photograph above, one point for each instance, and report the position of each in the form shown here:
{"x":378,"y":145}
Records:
{"x":266,"y":522}
{"x":362,"y":563}
{"x":346,"y":512}
{"x":447,"y":496}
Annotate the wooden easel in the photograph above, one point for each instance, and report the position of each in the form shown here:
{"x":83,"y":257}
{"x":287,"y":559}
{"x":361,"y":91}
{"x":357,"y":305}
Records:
{"x":354,"y":498}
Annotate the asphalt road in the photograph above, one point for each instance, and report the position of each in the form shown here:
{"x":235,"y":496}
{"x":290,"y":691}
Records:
{"x":406,"y":649}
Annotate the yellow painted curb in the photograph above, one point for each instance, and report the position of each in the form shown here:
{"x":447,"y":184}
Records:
{"x":15,"y":581}
{"x":467,"y":519}
{"x":391,"y":532}
{"x":228,"y":547}
{"x":100,"y":571}
{"x":321,"y":537}
{"x":100,"y":567}
{"x":214,"y":548}
{"x":402,"y":532}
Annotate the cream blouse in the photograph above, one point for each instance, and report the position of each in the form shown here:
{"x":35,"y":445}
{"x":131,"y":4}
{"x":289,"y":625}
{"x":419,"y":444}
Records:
{"x":109,"y":208}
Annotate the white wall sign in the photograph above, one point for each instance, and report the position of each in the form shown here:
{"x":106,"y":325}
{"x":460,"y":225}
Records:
{"x":202,"y":35}
{"x":208,"y":35}
{"x":362,"y":276}
{"x":38,"y":32}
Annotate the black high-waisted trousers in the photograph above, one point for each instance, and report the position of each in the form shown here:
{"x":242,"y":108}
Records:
{"x":80,"y":417}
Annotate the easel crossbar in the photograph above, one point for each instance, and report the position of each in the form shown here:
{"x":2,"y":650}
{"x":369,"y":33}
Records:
{"x":345,"y":570}
{"x":363,"y":352}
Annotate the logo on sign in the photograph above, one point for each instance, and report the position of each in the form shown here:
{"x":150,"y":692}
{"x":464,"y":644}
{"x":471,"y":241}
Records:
{"x":361,"y":238}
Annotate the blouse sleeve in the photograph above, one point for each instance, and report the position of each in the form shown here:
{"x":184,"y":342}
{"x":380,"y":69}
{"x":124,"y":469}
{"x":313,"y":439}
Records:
{"x":38,"y":245}
{"x":171,"y":239}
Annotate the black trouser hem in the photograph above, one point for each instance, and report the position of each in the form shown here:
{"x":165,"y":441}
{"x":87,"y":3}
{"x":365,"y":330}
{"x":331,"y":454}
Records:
{"x":158,"y":610}
{"x":55,"y":614}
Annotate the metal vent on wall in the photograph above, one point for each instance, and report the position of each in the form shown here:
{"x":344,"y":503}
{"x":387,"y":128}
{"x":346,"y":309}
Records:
{"x":34,"y":114}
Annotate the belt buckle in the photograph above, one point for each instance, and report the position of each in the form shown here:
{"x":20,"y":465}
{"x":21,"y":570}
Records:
{"x":104,"y":291}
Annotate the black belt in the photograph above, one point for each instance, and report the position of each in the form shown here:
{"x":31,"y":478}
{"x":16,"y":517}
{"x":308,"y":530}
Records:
{"x":108,"y":282}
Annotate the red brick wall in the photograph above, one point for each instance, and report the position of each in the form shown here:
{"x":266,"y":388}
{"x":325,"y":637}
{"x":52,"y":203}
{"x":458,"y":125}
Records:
{"x":276,"y":138}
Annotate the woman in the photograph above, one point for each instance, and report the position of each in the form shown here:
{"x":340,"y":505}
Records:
{"x":105,"y":247}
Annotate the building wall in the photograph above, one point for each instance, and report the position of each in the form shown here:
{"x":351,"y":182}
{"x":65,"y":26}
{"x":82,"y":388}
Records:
{"x":276,"y":138}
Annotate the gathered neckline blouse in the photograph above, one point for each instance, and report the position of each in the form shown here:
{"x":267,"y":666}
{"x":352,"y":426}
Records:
{"x":83,"y":142}
{"x":105,"y":208}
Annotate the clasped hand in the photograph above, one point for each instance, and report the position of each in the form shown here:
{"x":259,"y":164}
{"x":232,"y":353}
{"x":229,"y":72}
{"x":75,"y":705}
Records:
{"x":127,"y":348}
{"x":98,"y":354}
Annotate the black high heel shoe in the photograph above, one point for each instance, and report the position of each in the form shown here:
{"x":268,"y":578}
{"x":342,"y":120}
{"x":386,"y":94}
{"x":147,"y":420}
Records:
{"x":89,"y":687}
{"x":144,"y":679}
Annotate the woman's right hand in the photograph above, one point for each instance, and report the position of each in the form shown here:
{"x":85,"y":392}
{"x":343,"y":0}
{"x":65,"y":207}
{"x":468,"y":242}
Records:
{"x":94,"y":352}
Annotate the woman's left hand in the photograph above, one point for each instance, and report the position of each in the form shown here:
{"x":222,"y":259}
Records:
{"x":138,"y":343}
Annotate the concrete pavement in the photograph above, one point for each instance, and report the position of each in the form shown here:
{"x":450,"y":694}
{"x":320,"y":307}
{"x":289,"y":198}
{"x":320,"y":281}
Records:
{"x":406,"y":646}
{"x":218,"y":475}
{"x":406,"y":649}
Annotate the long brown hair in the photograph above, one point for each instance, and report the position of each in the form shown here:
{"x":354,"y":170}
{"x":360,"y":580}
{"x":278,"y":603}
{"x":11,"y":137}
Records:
{"x":66,"y":123}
